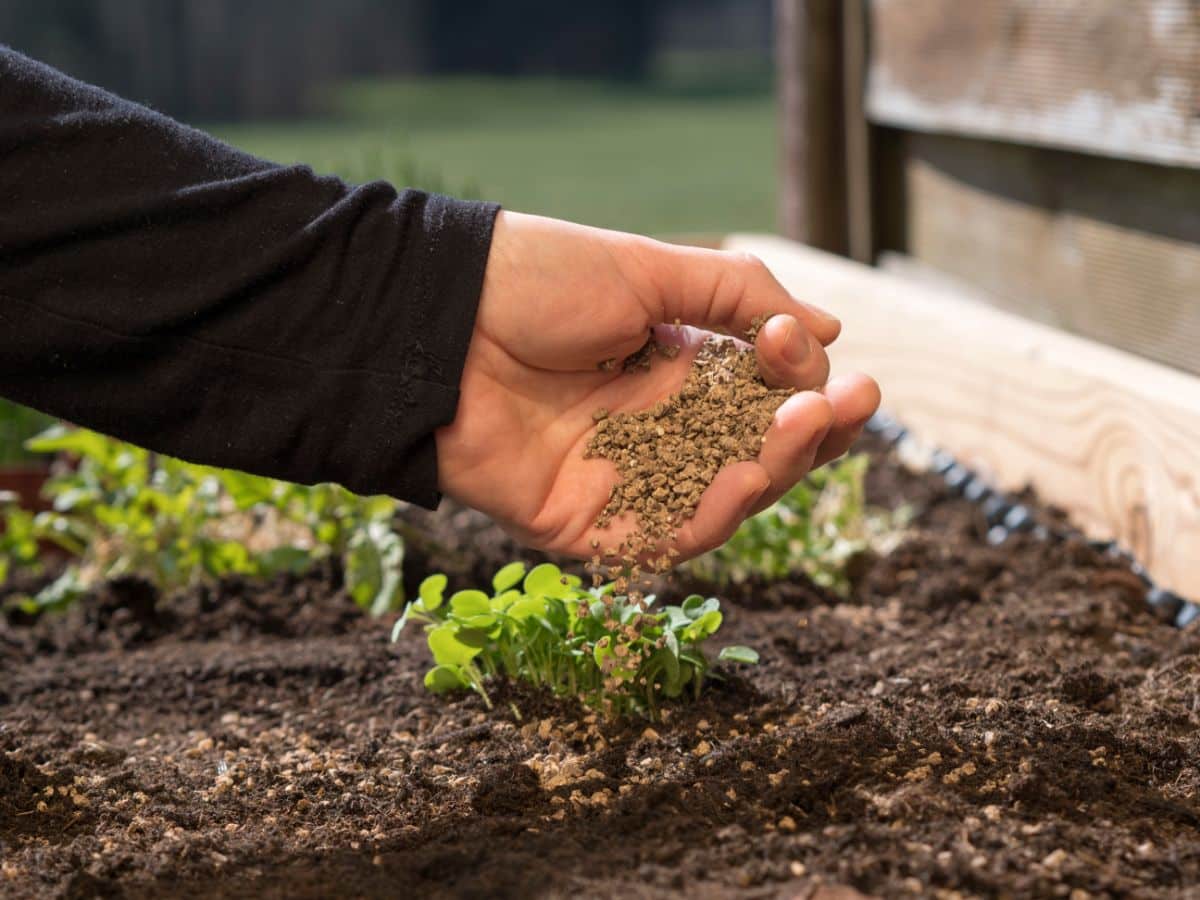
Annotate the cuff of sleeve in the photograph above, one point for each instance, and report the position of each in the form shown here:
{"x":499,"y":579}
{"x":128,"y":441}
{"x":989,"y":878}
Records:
{"x":456,"y":237}
{"x":459,"y":238}
{"x":395,"y":452}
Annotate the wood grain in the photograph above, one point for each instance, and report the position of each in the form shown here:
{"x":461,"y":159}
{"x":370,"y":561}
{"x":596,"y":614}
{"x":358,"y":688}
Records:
{"x":1110,"y":437}
{"x":860,"y":237}
{"x":812,"y":148}
{"x":1115,"y":77}
{"x":1105,"y":248}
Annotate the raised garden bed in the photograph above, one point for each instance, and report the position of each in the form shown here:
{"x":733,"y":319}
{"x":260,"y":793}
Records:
{"x":974,"y":719}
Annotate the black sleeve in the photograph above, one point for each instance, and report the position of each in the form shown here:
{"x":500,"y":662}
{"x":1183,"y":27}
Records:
{"x":162,"y":287}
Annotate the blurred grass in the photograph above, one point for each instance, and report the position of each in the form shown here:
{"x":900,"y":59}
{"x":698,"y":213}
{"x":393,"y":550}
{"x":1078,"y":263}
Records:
{"x":693,"y":152}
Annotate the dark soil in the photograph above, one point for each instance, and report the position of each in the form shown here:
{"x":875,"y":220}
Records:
{"x":975,"y":721}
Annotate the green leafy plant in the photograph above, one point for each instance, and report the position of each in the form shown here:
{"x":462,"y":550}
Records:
{"x":121,"y":510}
{"x":330,"y":521}
{"x":543,"y":627}
{"x":817,"y":528}
{"x":18,"y":540}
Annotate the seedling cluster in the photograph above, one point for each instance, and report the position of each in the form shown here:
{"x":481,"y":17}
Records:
{"x":121,"y":510}
{"x":617,"y":655}
{"x":18,"y":540}
{"x":817,"y":528}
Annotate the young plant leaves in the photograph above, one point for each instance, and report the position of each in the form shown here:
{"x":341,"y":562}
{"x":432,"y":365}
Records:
{"x":507,"y":577}
{"x":431,"y":591}
{"x":615,"y":654}
{"x":546,"y":580}
{"x":453,"y":646}
{"x":739,"y":654}
{"x":441,"y":679}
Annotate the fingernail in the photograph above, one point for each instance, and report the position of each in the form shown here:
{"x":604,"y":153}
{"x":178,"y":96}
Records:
{"x":795,"y":345}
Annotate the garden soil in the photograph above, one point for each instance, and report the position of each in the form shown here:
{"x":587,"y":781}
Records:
{"x":973,"y":721}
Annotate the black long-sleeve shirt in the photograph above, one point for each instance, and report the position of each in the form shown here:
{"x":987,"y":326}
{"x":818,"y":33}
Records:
{"x":165,"y":288}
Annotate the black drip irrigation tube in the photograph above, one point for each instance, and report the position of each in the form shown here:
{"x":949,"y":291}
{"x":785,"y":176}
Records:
{"x":1006,"y":516}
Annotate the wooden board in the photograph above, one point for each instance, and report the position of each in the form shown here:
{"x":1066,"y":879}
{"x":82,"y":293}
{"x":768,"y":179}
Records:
{"x":812,"y":173}
{"x":860,"y":228}
{"x":1110,"y":437}
{"x":1115,"y":77}
{"x":1105,"y":248}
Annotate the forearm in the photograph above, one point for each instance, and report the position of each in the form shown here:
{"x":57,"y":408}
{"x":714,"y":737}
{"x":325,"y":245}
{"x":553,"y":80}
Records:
{"x":160,"y":286}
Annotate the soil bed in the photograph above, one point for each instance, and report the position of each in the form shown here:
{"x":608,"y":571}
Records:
{"x":973,"y":721}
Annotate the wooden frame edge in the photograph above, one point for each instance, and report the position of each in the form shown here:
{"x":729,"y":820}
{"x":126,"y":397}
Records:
{"x":1112,"y":438}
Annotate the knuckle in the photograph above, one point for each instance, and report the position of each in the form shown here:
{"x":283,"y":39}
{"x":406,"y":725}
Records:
{"x":750,"y":262}
{"x":727,"y":292}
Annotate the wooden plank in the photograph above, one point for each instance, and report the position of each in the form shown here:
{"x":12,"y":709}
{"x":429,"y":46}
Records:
{"x":1110,"y":437}
{"x":1115,"y":77}
{"x":1108,"y":249}
{"x":860,"y":236}
{"x":811,"y":160}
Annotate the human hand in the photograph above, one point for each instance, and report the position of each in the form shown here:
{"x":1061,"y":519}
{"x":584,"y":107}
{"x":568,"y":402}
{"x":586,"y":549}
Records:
{"x":559,"y":299}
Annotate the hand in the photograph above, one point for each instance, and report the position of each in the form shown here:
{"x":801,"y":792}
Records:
{"x":558,"y":299}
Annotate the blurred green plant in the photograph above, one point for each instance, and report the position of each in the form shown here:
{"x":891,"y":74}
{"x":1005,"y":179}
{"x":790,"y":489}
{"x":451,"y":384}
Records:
{"x":819,"y":527}
{"x":121,"y":510}
{"x":542,"y":627}
{"x":18,"y":424}
{"x":18,"y":540}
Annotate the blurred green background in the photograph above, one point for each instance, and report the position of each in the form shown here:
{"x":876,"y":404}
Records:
{"x":661,"y":157}
{"x":645,"y":115}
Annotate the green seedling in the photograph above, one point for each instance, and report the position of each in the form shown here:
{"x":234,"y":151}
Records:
{"x":121,"y":510}
{"x":543,"y":627}
{"x":18,"y":540}
{"x":817,"y":528}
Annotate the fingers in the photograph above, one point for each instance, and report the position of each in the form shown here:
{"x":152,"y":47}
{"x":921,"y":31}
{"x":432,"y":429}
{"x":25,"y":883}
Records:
{"x":791,"y":444}
{"x":724,"y":291}
{"x":808,"y":430}
{"x":727,"y":502}
{"x":854,"y":399}
{"x":789,"y":356}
